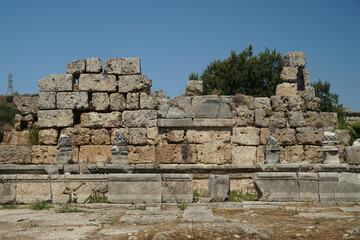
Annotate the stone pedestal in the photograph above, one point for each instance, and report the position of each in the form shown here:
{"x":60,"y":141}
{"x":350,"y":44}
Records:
{"x":177,"y":188}
{"x":65,"y":155}
{"x":272,"y":151}
{"x":330,"y":149}
{"x":219,"y":187}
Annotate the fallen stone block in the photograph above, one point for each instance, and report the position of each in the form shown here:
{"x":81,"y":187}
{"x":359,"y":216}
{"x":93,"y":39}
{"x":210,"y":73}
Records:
{"x":309,"y":186}
{"x":177,"y":188}
{"x":219,"y":187}
{"x":327,"y":185}
{"x":57,"y":83}
{"x":134,"y":188}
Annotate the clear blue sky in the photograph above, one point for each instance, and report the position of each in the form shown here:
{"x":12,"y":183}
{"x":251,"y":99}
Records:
{"x":175,"y":38}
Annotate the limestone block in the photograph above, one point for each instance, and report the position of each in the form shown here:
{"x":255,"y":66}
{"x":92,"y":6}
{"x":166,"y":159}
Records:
{"x":296,"y":119}
{"x":113,"y":66}
{"x":19,"y":138}
{"x":132,"y":101}
{"x":243,"y":117}
{"x":260,"y":157}
{"x":342,"y":136}
{"x":32,"y":187}
{"x":177,"y":188}
{"x":213,"y":108}
{"x":198,"y":136}
{"x":243,"y":155}
{"x":194,"y":88}
{"x":148,"y":101}
{"x":219,"y":187}
{"x":246,"y":136}
{"x":142,"y":154}
{"x":48,"y":136}
{"x":131,"y":66}
{"x":312,"y":103}
{"x":76,"y":67}
{"x":57,"y":83}
{"x":175,"y":136}
{"x":174,"y":112}
{"x":41,"y":154}
{"x":264,"y":132}
{"x":284,"y":136}
{"x":184,"y":122}
{"x":210,"y":153}
{"x":289,"y":74}
{"x":93,"y":65}
{"x":348,"y":188}
{"x":78,"y":135}
{"x":244,"y":101}
{"x":100,"y":101}
{"x":294,"y":59}
{"x":100,"y":120}
{"x":100,"y":137}
{"x":137,"y":136}
{"x":312,"y":155}
{"x":15,"y":154}
{"x":309,"y":135}
{"x":277,"y":121}
{"x":183,"y":103}
{"x":293,"y":154}
{"x":95,"y":154}
{"x":141,"y":118}
{"x":55,"y":118}
{"x":172,"y":153}
{"x":283,"y":103}
{"x":117,"y":102}
{"x":286,"y":89}
{"x":97,"y":83}
{"x":262,"y":103}
{"x":134,"y":83}
{"x":27,"y":104}
{"x":134,"y":188}
{"x":217,"y":122}
{"x":306,"y":75}
{"x":352,"y":155}
{"x":327,"y":185}
{"x":7,"y":189}
{"x":47,"y":100}
{"x":309,"y":187}
{"x":72,"y":100}
{"x":277,"y":186}
{"x":261,"y":118}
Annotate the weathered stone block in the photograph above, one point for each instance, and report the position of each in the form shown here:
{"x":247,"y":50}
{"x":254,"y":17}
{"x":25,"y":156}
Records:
{"x":312,"y":154}
{"x":93,"y":65}
{"x":134,"y":83}
{"x":271,"y":151}
{"x":64,"y":158}
{"x":100,"y":101}
{"x":174,"y":112}
{"x":47,"y":100}
{"x":293,"y":154}
{"x":284,"y":136}
{"x":137,"y":136}
{"x":309,"y":135}
{"x":48,"y":136}
{"x":101,"y":120}
{"x":327,"y":185}
{"x":277,"y":121}
{"x":277,"y":186}
{"x":177,"y":188}
{"x":352,"y":155}
{"x":148,"y":101}
{"x":312,"y":103}
{"x":141,"y":118}
{"x":57,"y":83}
{"x":262,"y":103}
{"x":261,"y":119}
{"x":296,"y":119}
{"x":152,"y":135}
{"x":131,"y":66}
{"x":95,"y":154}
{"x":194,"y":88}
{"x":243,"y":117}
{"x":289,"y":74}
{"x":100,"y":137}
{"x":172,"y":153}
{"x":142,"y":154}
{"x":27,"y":104}
{"x":283,"y":103}
{"x":217,"y":122}
{"x":15,"y":154}
{"x":209,"y":153}
{"x":32,"y":187}
{"x":97,"y":83}
{"x":286,"y":89}
{"x":213,"y":108}
{"x":219,"y":187}
{"x":306,"y":75}
{"x":175,"y":136}
{"x":72,"y":100}
{"x":243,"y":155}
{"x":7,"y":189}
{"x":55,"y":118}
{"x":76,"y":67}
{"x":348,"y":188}
{"x":246,"y":136}
{"x":41,"y":154}
{"x":309,"y":186}
{"x":198,"y":136}
{"x":132,"y":101}
{"x":113,"y":66}
{"x":342,"y":136}
{"x":134,"y":188}
{"x":78,"y":135}
{"x":117,"y":102}
{"x":18,"y":138}
{"x":294,"y":59}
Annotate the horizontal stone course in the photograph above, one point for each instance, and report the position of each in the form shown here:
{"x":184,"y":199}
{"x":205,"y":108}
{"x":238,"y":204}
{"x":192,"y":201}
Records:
{"x":57,"y":83}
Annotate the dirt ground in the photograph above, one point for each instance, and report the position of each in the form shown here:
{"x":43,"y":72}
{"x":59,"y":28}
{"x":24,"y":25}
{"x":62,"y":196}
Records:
{"x":244,"y":220}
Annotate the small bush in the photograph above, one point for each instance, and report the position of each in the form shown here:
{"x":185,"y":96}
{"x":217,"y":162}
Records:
{"x":34,"y":134}
{"x":40,"y":205}
{"x":182,"y":206}
{"x":9,"y":99}
{"x":97,"y":197}
{"x":196,"y":194}
{"x":8,"y":207}
{"x":140,"y":207}
{"x":7,"y":115}
{"x":238,"y":196}
{"x":67,"y":208}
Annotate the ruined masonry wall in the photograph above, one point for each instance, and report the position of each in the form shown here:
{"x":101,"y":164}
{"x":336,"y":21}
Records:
{"x":89,"y":105}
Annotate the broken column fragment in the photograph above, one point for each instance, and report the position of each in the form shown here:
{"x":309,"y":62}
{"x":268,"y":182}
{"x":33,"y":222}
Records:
{"x":65,"y":155}
{"x":120,"y":151}
{"x":330,"y":149}
{"x":272,"y":151}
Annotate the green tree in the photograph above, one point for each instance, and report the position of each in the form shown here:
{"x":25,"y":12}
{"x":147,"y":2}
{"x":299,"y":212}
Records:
{"x":194,"y":76}
{"x":244,"y":73}
{"x":7,"y":115}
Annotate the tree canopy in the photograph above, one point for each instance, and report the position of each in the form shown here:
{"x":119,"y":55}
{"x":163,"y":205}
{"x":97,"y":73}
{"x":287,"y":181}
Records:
{"x":243,"y":73}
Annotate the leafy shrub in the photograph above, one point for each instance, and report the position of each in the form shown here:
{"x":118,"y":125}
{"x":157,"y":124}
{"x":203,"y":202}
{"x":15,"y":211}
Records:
{"x":238,"y":196}
{"x":7,"y":115}
{"x":40,"y":205}
{"x":97,"y":197}
{"x":354,"y":131}
{"x":9,"y":99}
{"x":196,"y":194}
{"x":34,"y":134}
{"x":182,"y":206}
{"x":8,"y":207}
{"x":68,"y":208}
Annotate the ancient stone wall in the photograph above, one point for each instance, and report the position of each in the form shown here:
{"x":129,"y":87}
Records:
{"x":89,"y":104}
